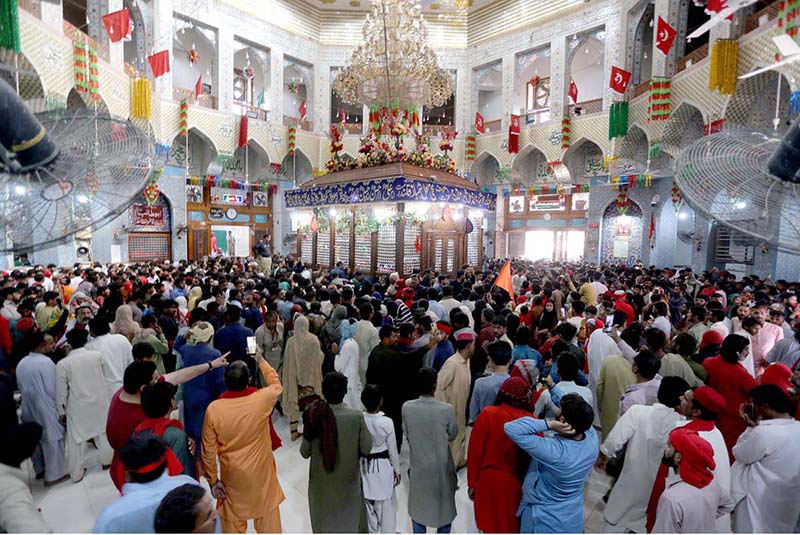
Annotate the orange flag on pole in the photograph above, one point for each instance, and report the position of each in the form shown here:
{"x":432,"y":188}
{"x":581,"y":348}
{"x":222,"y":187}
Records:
{"x":503,"y":280}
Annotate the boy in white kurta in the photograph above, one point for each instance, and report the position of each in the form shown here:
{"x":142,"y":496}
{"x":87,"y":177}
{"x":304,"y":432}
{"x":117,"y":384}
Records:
{"x":380,"y":471}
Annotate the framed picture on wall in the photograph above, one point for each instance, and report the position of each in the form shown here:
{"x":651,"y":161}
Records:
{"x":260,"y":199}
{"x":194,"y":194}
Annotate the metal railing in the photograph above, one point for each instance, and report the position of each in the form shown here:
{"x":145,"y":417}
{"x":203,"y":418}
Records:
{"x":692,"y":59}
{"x":205,"y":101}
{"x":587,"y":107}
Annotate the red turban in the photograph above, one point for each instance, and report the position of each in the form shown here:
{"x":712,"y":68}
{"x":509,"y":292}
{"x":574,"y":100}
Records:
{"x":710,"y":399}
{"x":697,"y":457}
{"x":778,"y":374}
{"x":515,"y":391}
{"x":444,"y":327}
{"x":710,"y":337}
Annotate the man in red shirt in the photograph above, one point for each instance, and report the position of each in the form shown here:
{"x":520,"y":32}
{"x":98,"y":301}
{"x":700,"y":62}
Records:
{"x":621,"y":304}
{"x":728,"y":377}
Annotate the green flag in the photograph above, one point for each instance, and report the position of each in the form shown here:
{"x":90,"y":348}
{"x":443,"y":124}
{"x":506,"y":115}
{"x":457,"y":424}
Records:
{"x":262,"y":98}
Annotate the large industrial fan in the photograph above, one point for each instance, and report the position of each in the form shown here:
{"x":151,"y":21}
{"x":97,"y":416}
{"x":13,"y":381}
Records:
{"x":747,"y":181}
{"x":64,"y":171}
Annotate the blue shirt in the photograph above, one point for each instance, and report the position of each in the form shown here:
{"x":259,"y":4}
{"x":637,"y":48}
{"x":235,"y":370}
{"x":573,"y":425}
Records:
{"x":444,"y":350}
{"x":485,"y":393}
{"x":521,"y":352}
{"x":135,"y":511}
{"x":552,"y":494}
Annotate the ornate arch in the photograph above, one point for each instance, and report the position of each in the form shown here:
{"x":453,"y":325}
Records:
{"x":305,"y":171}
{"x":635,"y":145}
{"x":531,"y":165}
{"x":484,"y":170}
{"x":753,"y":103}
{"x":581,"y":159}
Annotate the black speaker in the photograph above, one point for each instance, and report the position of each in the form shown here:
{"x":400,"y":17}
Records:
{"x":784,"y":162}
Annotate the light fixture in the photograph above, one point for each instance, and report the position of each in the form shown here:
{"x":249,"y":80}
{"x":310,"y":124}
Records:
{"x":394,"y":64}
{"x":683,"y":216}
{"x":19,"y":190}
{"x":83,"y":199}
{"x":332,"y":212}
{"x":741,"y":205}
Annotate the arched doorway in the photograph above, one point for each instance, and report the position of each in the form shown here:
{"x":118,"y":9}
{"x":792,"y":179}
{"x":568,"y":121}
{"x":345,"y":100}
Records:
{"x":297,"y":168}
{"x":587,"y":69}
{"x":683,"y":127}
{"x":583,"y":159}
{"x":531,"y":164}
{"x":484,"y":170}
{"x":621,"y":234}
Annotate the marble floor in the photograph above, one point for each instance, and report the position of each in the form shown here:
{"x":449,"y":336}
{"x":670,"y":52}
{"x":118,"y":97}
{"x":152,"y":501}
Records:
{"x":72,"y":508}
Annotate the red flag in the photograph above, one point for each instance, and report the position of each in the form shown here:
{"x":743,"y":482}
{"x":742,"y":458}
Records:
{"x":503,"y":279}
{"x":418,"y":244}
{"x":573,"y":91}
{"x":243,"y":128}
{"x":118,"y":25}
{"x":303,"y":111}
{"x":198,"y":87}
{"x":159,"y":62}
{"x":619,"y":79}
{"x":479,"y":125}
{"x":652,"y":234}
{"x":665,"y":36}
{"x":513,"y":135}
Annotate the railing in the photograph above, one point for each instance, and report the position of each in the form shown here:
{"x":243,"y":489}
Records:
{"x":206,"y":101}
{"x":771,"y":11}
{"x":586,"y":107}
{"x":240,"y":107}
{"x":493,"y":126}
{"x":306,"y":125}
{"x":641,"y":89}
{"x":537,"y":116}
{"x":693,"y":59}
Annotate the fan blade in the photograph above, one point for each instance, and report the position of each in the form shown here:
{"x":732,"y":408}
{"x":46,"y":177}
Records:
{"x":710,"y":23}
{"x":786,"y":45}
{"x":781,"y":63}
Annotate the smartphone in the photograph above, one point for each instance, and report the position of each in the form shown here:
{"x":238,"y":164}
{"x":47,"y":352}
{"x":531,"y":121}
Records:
{"x":545,"y":372}
{"x":251,"y":345}
{"x":563,"y":312}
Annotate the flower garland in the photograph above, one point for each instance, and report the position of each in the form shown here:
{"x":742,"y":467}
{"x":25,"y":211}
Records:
{"x":217,"y":181}
{"x":565,"y":132}
{"x":724,"y":65}
{"x":142,"y":101}
{"x":654,"y":150}
{"x":249,"y":72}
{"x":194,"y":56}
{"x":292,"y":139}
{"x":92,"y":182}
{"x":677,"y":198}
{"x":184,"y":118}
{"x":374,"y":152}
{"x":623,"y":202}
{"x":293,"y":88}
{"x":631,"y":181}
{"x":470,"y":150}
{"x":659,"y":102}
{"x":87,"y":77}
{"x":151,"y":191}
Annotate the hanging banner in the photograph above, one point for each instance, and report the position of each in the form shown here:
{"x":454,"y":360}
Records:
{"x":145,"y":215}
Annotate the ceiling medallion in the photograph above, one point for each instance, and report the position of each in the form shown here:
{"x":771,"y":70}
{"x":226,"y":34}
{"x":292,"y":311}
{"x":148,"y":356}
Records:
{"x":394,"y":64}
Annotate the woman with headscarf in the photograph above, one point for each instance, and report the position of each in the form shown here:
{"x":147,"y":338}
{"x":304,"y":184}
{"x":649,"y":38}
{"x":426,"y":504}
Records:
{"x":495,"y":465}
{"x":124,"y":324}
{"x":331,"y":334}
{"x":183,"y":310}
{"x":302,"y":371}
{"x":202,"y":390}
{"x":334,"y":438}
{"x":547,"y":321}
{"x":347,"y":363}
{"x":195,"y":295}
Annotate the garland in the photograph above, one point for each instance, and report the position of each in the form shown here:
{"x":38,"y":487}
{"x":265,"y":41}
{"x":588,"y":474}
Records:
{"x":623,"y":202}
{"x":618,"y":120}
{"x":659,"y":103}
{"x":470,"y":152}
{"x":217,"y":181}
{"x":142,"y":101}
{"x":724,"y":65}
{"x":184,"y":118}
{"x":92,"y":182}
{"x":558,"y":189}
{"x":87,"y":79}
{"x":151,"y":190}
{"x":292,"y":139}
{"x":9,"y":26}
{"x":565,"y":132}
{"x":677,"y":198}
{"x":631,"y":181}
{"x":787,"y":20}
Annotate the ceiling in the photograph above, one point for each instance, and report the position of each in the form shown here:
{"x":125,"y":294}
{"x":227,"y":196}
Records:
{"x":363,"y":6}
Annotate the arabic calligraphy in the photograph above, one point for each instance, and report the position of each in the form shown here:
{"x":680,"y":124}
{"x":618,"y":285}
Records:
{"x":148,"y":215}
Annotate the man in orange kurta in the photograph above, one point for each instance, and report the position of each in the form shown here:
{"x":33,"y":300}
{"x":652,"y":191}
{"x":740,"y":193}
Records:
{"x":236,"y":429}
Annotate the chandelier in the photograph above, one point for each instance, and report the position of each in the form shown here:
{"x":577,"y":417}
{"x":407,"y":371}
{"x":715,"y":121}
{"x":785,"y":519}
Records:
{"x":394,"y":66}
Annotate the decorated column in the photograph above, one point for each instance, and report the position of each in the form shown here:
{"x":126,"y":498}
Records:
{"x":667,"y":11}
{"x":224,"y":68}
{"x":558,"y":73}
{"x":614,"y":55}
{"x":276,"y":87}
{"x":464,"y":109}
{"x":508,"y":90}
{"x":321,"y":102}
{"x":162,"y":40}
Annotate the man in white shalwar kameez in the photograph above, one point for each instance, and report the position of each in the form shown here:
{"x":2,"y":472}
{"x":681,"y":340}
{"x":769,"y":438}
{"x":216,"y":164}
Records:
{"x":116,"y":351}
{"x":600,"y":346}
{"x":767,"y":469}
{"x":36,"y":378}
{"x":644,"y":428}
{"x":347,"y":363}
{"x":82,"y":405}
{"x":380,"y":470}
{"x":367,"y":338}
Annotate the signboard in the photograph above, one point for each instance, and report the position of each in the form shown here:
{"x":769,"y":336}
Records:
{"x":216,"y":213}
{"x":547,"y":203}
{"x":148,"y":216}
{"x":516,"y":204}
{"x":621,"y":247}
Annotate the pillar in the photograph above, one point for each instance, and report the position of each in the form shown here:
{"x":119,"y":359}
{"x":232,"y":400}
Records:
{"x":321,"y":99}
{"x":614,"y":55}
{"x":558,"y":76}
{"x":162,"y":40}
{"x":667,"y":10}
{"x":508,"y":89}
{"x":224,"y":68}
{"x":116,"y":51}
{"x":276,"y":85}
{"x":53,"y":15}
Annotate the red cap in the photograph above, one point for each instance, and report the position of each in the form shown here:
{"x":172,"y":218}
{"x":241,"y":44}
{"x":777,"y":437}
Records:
{"x":465,"y":335}
{"x":778,"y":374}
{"x":710,"y":399}
{"x":711,"y":337}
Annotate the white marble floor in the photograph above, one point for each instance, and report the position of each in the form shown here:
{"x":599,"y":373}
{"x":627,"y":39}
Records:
{"x":72,"y":508}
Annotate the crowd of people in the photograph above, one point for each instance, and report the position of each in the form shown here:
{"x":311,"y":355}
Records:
{"x":681,"y":386}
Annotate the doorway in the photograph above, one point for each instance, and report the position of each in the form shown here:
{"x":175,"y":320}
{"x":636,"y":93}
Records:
{"x":554,"y":245}
{"x":445,"y":251}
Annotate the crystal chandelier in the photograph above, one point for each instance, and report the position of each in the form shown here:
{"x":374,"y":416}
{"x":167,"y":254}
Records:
{"x":394,"y":66}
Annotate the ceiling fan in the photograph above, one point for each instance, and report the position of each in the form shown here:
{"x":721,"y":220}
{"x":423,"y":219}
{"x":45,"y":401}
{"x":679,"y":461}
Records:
{"x":729,"y":9}
{"x":787,"y":48}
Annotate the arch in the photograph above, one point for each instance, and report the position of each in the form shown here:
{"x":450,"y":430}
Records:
{"x":135,"y":50}
{"x":252,"y":163}
{"x":305,"y":170}
{"x":643,"y":46}
{"x":586,"y":66}
{"x":202,"y":155}
{"x":684,"y":126}
{"x":484,"y":170}
{"x":614,"y":226}
{"x":531,"y":165}
{"x":193,"y":35}
{"x":246,"y":86}
{"x":77,"y":101}
{"x":635,"y":145}
{"x":583,"y":158}
{"x":753,"y":104}
{"x":31,"y":88}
